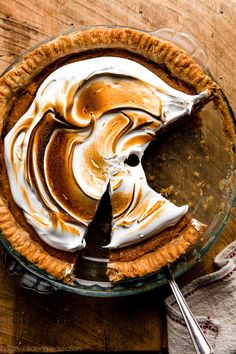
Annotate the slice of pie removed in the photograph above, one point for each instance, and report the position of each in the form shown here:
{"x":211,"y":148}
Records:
{"x":73,"y":140}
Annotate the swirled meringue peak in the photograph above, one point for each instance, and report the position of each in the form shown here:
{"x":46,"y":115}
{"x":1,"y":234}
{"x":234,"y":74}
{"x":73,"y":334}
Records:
{"x":87,"y":118}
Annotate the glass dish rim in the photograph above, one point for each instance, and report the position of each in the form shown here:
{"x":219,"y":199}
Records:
{"x":100,"y":292}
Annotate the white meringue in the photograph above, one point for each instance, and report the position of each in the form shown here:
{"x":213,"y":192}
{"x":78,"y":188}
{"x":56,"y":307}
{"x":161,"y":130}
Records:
{"x":86,"y":119}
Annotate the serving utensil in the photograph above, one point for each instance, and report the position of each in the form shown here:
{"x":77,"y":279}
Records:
{"x":200,"y":342}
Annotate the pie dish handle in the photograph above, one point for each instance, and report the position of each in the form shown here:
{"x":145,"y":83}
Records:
{"x":24,"y":278}
{"x":186,"y":42}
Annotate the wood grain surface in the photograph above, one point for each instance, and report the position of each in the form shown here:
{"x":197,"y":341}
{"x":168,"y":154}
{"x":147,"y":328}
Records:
{"x":30,"y":322}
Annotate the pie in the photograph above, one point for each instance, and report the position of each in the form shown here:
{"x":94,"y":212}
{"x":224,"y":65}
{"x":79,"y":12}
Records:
{"x":74,"y":112}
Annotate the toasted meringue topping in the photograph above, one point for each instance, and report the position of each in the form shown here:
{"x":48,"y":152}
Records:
{"x":85,"y":121}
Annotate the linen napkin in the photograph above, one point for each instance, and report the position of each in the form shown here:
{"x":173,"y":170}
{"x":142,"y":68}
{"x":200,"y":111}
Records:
{"x":212,"y":299}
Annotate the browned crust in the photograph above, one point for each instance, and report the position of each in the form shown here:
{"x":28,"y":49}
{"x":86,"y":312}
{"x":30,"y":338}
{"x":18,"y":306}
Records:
{"x":21,"y":241}
{"x":155,"y":260}
{"x":22,"y":73}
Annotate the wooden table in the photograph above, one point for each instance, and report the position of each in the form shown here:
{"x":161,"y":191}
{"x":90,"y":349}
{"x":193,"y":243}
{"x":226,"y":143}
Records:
{"x":62,"y":321}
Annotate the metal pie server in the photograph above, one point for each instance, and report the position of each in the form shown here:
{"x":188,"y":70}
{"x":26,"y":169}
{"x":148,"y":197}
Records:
{"x":201,"y":344}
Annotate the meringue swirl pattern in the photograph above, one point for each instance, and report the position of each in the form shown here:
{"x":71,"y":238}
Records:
{"x":87,"y":118}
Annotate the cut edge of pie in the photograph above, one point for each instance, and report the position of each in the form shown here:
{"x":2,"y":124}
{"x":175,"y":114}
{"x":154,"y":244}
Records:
{"x":162,"y":249}
{"x":23,"y":72}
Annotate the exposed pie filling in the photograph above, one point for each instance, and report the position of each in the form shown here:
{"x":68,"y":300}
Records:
{"x":74,"y":142}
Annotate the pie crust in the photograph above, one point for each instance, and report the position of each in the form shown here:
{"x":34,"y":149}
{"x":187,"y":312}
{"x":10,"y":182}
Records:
{"x":26,"y":73}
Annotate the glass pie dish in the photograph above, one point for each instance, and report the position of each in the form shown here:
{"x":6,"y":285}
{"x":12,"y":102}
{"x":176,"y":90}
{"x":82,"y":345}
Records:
{"x":199,"y":172}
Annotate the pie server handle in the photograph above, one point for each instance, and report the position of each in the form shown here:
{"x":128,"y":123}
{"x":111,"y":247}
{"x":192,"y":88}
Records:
{"x":201,"y":344}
